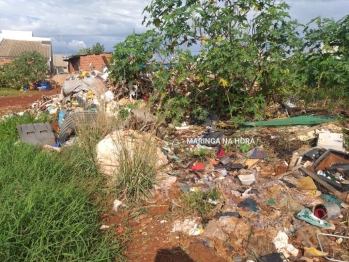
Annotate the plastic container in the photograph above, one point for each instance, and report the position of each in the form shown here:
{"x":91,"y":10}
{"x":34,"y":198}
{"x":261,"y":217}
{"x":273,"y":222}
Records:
{"x":43,"y":86}
{"x":247,"y":179}
{"x":327,"y":211}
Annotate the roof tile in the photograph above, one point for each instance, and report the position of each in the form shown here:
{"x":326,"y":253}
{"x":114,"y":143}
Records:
{"x":15,"y":48}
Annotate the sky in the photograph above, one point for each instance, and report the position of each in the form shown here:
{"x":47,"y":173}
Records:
{"x":73,"y":24}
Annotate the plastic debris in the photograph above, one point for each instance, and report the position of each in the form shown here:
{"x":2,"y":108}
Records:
{"x":282,"y":245}
{"x":116,"y":204}
{"x":307,"y":216}
{"x":313,"y":252}
{"x":185,"y":226}
{"x":257,"y":153}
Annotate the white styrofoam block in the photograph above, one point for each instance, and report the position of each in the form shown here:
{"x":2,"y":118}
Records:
{"x":331,"y":141}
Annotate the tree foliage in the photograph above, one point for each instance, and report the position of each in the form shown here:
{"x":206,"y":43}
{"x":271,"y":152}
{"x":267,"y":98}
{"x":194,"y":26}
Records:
{"x":134,"y":53}
{"x":29,"y":68}
{"x":96,"y":49}
{"x":326,"y":53}
{"x":250,"y":52}
{"x":84,"y":51}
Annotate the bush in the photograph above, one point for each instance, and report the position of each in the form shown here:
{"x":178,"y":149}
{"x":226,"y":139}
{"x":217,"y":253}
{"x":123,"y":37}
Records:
{"x":29,"y":68}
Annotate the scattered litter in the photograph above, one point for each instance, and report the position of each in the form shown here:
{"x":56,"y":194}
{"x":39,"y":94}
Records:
{"x":185,"y":226}
{"x":313,"y":252}
{"x":282,"y":245}
{"x":307,"y":216}
{"x":195,"y":231}
{"x":327,"y":210}
{"x":213,"y":230}
{"x":247,"y":179}
{"x":275,"y":187}
{"x":36,"y":134}
{"x":257,"y":153}
{"x":116,"y":204}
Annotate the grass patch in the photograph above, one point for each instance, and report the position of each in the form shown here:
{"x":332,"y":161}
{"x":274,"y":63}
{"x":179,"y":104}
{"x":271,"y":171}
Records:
{"x":199,"y":202}
{"x":11,"y":92}
{"x":50,"y":203}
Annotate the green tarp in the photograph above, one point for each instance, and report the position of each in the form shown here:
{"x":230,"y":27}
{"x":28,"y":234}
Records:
{"x":292,"y":121}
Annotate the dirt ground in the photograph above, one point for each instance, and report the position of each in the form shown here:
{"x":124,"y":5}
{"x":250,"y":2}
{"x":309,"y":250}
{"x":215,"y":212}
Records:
{"x":11,"y":105}
{"x":152,"y":239}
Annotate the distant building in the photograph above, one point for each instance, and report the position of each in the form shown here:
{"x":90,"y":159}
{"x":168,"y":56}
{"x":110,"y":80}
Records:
{"x":14,"y":43}
{"x":60,"y":66}
{"x":79,"y":63}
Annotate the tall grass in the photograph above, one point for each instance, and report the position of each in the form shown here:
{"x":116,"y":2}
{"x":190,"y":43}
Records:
{"x":137,"y":159}
{"x":48,"y":208}
{"x":136,"y":154}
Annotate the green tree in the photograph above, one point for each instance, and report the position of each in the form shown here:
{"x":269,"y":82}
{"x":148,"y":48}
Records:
{"x":326,"y":53}
{"x":134,"y":53}
{"x":238,"y":52}
{"x":84,"y":51}
{"x":97,"y":49}
{"x":247,"y":52}
{"x":29,"y":68}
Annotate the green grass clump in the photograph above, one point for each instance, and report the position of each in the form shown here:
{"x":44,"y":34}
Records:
{"x":199,"y":202}
{"x":48,"y":208}
{"x":137,"y":173}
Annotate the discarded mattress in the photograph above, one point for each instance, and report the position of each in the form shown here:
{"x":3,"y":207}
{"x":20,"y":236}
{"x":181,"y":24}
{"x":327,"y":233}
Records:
{"x":37,"y":134}
{"x":73,"y":121}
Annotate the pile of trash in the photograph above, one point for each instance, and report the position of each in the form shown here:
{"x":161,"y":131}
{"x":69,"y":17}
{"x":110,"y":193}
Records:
{"x":270,"y":209}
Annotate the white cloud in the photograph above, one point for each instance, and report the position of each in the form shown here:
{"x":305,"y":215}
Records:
{"x":77,"y":44}
{"x":81,"y":23}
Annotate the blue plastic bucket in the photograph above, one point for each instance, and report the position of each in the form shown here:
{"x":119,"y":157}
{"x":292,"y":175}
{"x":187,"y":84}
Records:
{"x":43,"y":86}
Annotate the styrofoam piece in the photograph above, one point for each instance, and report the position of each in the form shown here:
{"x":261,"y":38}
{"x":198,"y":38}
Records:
{"x":331,"y":141}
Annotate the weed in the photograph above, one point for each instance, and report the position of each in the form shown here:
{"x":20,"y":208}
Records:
{"x":137,"y":160}
{"x":228,"y":148}
{"x":202,"y":153}
{"x":135,"y":155}
{"x":10,"y":92}
{"x":175,"y":109}
{"x":47,"y":212}
{"x":199,"y":202}
{"x":244,"y":148}
{"x":270,"y":160}
{"x":88,"y":135}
